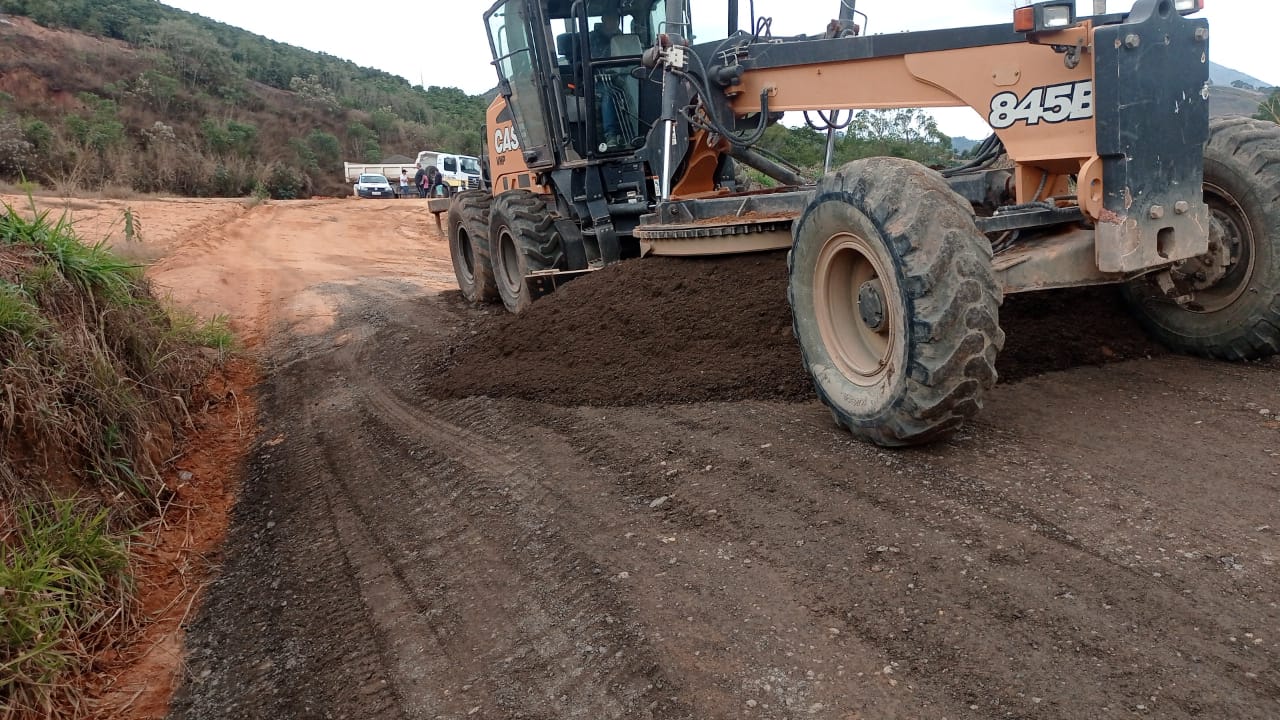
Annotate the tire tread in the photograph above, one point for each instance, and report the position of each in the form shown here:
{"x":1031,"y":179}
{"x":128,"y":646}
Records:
{"x":533,"y":226}
{"x":954,"y":334}
{"x":470,"y":210}
{"x":1250,"y":148}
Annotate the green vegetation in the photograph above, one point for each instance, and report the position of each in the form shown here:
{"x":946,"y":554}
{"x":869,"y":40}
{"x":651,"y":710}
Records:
{"x":95,"y":381}
{"x":911,"y":134}
{"x":201,"y":108}
{"x":1270,"y":108}
{"x":214,"y":333}
{"x":66,"y":586}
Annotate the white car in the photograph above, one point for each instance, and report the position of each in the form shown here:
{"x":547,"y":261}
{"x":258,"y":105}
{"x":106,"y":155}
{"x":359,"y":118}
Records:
{"x":374,"y":186}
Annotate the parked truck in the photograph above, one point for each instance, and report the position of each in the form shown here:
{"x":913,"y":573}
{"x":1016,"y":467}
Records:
{"x":461,"y":172}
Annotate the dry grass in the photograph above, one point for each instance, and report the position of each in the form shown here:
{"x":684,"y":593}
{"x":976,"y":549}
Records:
{"x":95,"y":380}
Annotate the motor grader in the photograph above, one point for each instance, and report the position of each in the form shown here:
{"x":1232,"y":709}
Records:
{"x":617,"y":135}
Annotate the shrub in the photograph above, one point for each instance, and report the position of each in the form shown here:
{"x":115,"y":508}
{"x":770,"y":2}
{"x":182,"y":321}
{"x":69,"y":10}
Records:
{"x":283,"y":183}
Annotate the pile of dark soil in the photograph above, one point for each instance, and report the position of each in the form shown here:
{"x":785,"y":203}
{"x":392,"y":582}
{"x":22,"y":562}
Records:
{"x":1061,"y":329}
{"x":664,"y":330}
{"x":657,"y":330}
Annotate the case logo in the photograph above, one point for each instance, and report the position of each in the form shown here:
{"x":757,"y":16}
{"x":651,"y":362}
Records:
{"x":505,"y":140}
{"x":1051,"y":104}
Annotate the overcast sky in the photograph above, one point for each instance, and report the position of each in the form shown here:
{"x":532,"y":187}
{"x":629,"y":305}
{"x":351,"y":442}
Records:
{"x":442,"y":42}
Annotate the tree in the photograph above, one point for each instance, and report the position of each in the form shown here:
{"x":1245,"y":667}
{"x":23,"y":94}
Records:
{"x":1270,"y":108}
{"x":1242,"y":85}
{"x":912,"y":134}
{"x":326,"y":149}
{"x":363,"y":143}
{"x":16,"y":152}
{"x":199,"y":61}
{"x":100,"y":130}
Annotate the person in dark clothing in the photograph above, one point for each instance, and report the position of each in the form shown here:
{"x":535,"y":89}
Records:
{"x":419,"y":181}
{"x":435,"y":181}
{"x":609,"y":27}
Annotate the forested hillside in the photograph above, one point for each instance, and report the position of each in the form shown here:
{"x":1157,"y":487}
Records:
{"x":135,"y":94}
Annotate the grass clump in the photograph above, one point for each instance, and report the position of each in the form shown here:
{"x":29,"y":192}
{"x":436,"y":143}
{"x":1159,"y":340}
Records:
{"x":214,"y":333}
{"x":64,"y":594}
{"x":96,"y":378}
{"x":18,"y":315}
{"x":92,"y":267}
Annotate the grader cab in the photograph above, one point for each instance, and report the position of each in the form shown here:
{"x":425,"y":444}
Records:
{"x":617,"y":134}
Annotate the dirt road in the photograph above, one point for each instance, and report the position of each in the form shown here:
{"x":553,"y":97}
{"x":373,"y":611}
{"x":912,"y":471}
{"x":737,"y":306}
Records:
{"x":1102,"y":543}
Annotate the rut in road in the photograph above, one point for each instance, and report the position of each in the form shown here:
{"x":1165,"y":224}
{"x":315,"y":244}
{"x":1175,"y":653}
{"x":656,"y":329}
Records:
{"x":429,"y":585}
{"x":1101,"y":539}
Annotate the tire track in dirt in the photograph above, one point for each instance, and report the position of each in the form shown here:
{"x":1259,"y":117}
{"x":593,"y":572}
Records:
{"x":1006,"y":520}
{"x":662,"y":591}
{"x":521,"y":573}
{"x":523,"y":534}
{"x":277,"y":591}
{"x":1011,"y":604}
{"x":1082,"y":549}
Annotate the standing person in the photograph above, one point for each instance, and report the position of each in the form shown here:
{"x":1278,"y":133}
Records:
{"x":404,"y":182}
{"x":429,"y":180}
{"x":420,"y":181}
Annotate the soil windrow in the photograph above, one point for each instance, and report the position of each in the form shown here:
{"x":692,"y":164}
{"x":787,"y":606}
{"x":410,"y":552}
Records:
{"x":667,"y":330}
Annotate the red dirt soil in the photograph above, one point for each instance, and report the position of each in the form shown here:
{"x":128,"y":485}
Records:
{"x":265,"y":266}
{"x":176,"y":555}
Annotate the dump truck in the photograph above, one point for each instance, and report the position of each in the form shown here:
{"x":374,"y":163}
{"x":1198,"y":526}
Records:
{"x":1102,"y":168}
{"x":461,"y":172}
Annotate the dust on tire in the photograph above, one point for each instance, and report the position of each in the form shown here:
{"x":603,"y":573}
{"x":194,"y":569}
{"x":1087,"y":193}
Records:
{"x":941,"y":269}
{"x":1242,"y":180}
{"x":469,"y":246}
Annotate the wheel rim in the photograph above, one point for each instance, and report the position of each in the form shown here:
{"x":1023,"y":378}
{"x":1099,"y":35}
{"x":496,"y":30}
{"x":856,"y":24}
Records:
{"x":509,"y":262}
{"x":466,"y":260}
{"x":857,"y":311}
{"x":1231,"y":235}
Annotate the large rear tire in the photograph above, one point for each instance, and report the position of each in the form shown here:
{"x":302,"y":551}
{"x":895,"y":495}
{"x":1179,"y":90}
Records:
{"x":894,"y":302}
{"x":469,"y":246}
{"x":1231,"y":297}
{"x":523,"y":240}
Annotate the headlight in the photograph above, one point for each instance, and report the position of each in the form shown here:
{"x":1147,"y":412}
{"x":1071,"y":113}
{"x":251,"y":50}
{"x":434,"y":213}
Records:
{"x":1057,"y":16}
{"x":1044,"y":17}
{"x":1187,"y":7}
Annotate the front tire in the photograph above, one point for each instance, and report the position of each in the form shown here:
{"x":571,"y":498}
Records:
{"x":523,"y":240}
{"x":469,"y":246}
{"x":1231,"y":308}
{"x":894,"y":302}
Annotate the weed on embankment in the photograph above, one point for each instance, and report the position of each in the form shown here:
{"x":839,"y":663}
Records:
{"x":96,"y":381}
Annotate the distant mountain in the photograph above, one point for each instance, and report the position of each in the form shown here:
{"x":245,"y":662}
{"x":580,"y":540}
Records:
{"x":1227,"y":100}
{"x":1224,"y":76}
{"x":963,"y":144}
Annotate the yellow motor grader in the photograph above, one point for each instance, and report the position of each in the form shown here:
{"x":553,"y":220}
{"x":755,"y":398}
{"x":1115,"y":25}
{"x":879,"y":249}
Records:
{"x":616,"y":135}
